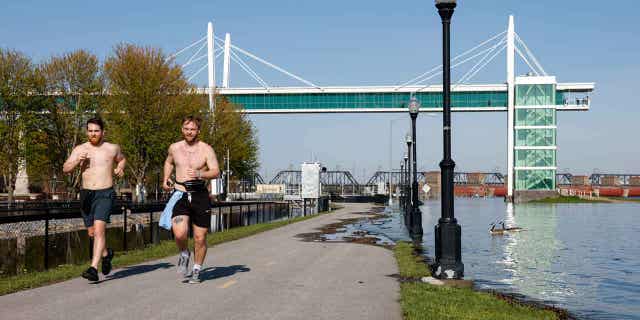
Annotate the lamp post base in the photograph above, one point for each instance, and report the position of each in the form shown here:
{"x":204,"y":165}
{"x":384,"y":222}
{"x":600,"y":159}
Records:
{"x":448,"y":251}
{"x":416,"y":222}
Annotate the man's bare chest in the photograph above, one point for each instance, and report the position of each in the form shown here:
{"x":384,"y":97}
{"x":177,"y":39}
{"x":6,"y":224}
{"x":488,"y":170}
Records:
{"x":100,"y":157}
{"x":189,"y":158}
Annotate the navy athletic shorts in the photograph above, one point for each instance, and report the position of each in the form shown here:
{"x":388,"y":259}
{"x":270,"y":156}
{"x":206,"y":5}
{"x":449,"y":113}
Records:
{"x":96,"y":205}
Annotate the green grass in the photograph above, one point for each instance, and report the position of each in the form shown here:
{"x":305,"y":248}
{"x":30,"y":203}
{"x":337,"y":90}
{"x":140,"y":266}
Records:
{"x":424,"y":301}
{"x":410,"y":265}
{"x":565,"y":199}
{"x":122,"y":259}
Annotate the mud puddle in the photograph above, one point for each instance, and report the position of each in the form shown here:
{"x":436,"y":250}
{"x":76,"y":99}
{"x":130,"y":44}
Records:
{"x":355,"y":230}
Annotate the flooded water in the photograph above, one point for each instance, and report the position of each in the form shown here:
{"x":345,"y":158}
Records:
{"x":581,"y":257}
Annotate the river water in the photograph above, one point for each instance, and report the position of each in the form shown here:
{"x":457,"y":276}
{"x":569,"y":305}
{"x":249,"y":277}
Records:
{"x":581,"y":257}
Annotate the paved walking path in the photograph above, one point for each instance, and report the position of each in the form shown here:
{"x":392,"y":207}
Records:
{"x":271,"y":275}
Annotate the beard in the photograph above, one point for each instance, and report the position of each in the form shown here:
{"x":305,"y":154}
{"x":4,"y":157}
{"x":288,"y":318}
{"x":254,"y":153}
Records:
{"x":190,"y":139}
{"x":95,"y":140}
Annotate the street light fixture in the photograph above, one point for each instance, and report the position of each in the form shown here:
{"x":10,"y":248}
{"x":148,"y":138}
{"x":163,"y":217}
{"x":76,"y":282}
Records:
{"x":405,"y":181}
{"x":416,"y":214}
{"x":407,"y":210}
{"x":448,"y":232}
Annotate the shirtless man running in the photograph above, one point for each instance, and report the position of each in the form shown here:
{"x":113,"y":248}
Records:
{"x":195,"y":163}
{"x":96,"y":159}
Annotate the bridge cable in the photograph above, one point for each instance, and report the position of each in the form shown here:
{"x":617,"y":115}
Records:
{"x":247,"y":69}
{"x":197,"y":72}
{"x":454,"y":59}
{"x":526,"y":61}
{"x":171,"y":56}
{"x":245,"y":66}
{"x":195,"y":54}
{"x":249,"y":54}
{"x":200,"y":70}
{"x":533,"y":57}
{"x":195,"y":60}
{"x":488,"y":50}
{"x":485,"y":64}
{"x":461,"y":62}
{"x":467,"y":76}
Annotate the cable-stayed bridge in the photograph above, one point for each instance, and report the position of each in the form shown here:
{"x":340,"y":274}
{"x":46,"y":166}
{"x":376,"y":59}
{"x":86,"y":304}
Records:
{"x":531,"y":101}
{"x":312,"y":98}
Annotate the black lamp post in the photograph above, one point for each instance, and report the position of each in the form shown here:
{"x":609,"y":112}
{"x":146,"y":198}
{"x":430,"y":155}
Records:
{"x":405,"y":181}
{"x":416,"y":215}
{"x":401,"y":185}
{"x":448,"y":232}
{"x":408,"y":208}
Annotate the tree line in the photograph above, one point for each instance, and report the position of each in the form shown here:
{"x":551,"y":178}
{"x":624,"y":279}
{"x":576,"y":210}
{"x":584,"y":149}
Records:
{"x":138,"y":91}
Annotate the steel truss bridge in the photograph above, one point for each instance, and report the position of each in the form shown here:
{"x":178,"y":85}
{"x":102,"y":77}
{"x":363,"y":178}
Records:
{"x":333,"y":182}
{"x":343,"y":182}
{"x":602,"y":179}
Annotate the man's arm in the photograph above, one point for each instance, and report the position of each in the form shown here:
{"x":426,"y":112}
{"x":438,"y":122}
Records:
{"x":168,"y":168}
{"x":213,"y":171}
{"x":121,"y":160}
{"x":77,"y":157}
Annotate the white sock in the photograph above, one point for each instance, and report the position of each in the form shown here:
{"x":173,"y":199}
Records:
{"x":197,"y":267}
{"x":185,"y":253}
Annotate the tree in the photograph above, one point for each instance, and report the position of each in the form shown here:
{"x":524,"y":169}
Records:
{"x":16,"y":87}
{"x":233,"y":130}
{"x":148,"y":94}
{"x":75,"y":79}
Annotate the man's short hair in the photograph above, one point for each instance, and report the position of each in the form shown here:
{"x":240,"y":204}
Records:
{"x":193,"y":119}
{"x":96,"y":121}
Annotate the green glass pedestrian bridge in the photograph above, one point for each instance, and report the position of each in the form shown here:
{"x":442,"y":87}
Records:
{"x":464,"y":98}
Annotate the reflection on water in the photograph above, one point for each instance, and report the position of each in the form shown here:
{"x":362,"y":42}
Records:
{"x":582,"y":257}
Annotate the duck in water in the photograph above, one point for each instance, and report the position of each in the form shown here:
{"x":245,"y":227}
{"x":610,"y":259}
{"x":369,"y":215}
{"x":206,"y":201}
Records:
{"x":503,"y":230}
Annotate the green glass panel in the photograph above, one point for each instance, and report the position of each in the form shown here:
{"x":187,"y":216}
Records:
{"x":535,"y":94}
{"x":535,"y":137}
{"x":535,"y":117}
{"x":535,"y":180}
{"x":535,"y":158}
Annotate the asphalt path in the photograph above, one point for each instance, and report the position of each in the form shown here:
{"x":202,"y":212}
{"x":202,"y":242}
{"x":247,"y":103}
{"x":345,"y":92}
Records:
{"x":271,"y":275}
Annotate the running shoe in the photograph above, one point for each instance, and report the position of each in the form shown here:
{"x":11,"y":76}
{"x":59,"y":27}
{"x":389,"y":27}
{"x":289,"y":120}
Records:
{"x":195,"y":276}
{"x":106,"y":262}
{"x":183,"y":264}
{"x":91,"y":274}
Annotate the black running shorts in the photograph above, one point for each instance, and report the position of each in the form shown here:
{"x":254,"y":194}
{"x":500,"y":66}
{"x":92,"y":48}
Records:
{"x":197,"y":209}
{"x":96,"y":205}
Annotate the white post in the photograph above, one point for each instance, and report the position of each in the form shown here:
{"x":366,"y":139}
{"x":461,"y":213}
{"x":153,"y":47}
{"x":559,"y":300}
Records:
{"x":212,"y":66}
{"x":227,"y":60}
{"x":510,"y":106}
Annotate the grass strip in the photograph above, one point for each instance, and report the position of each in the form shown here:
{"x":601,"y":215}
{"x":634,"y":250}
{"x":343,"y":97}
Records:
{"x":424,"y":301}
{"x":164,"y":249}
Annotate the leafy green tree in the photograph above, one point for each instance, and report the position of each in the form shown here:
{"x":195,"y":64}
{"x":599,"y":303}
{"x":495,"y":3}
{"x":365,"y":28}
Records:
{"x":148,"y":94}
{"x":234,"y":131}
{"x":16,"y":86}
{"x":76,"y":81}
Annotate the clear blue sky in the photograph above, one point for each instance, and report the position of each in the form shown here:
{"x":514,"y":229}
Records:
{"x":378,"y":43}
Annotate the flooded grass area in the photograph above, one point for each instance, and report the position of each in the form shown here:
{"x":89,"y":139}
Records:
{"x":425,"y":301}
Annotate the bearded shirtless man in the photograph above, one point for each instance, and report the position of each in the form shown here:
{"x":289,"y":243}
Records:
{"x":195,"y":163}
{"x":96,"y":159}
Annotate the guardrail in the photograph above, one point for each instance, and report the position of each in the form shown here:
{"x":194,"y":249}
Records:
{"x":225,"y":215}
